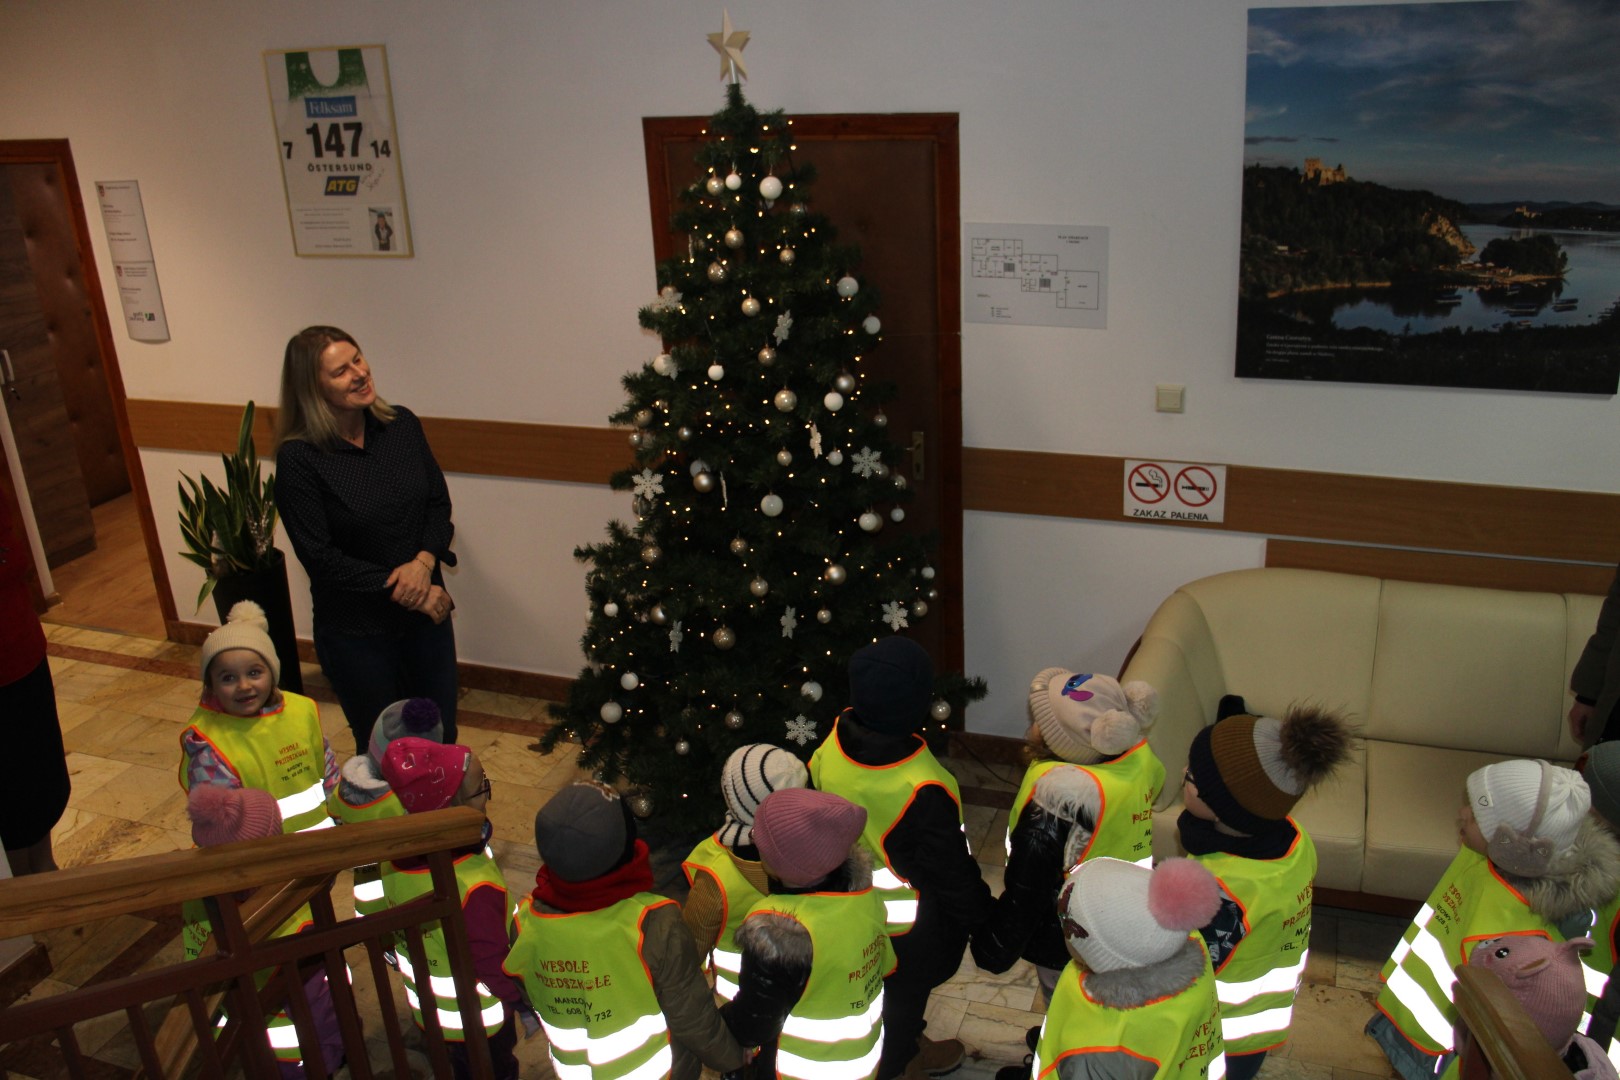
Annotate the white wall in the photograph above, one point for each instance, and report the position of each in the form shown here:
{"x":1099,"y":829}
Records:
{"x":519,"y":123}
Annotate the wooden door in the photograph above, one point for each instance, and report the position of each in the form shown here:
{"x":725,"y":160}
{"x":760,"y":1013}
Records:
{"x":889,"y":185}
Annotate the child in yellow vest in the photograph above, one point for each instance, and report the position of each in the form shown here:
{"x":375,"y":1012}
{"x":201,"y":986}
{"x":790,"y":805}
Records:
{"x":224,"y":815}
{"x":1088,"y":793}
{"x":724,"y":870}
{"x":606,"y":961}
{"x":428,"y":776}
{"x":1137,"y":1001}
{"x":1600,"y":767}
{"x":815,"y":951}
{"x":248,"y":733}
{"x":1533,"y":861}
{"x":1244,"y":775}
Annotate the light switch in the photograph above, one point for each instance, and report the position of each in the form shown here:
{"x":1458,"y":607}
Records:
{"x":1169,"y":397}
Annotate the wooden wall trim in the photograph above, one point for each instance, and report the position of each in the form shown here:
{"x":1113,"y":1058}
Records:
{"x":1519,"y":523}
{"x":1442,"y":568}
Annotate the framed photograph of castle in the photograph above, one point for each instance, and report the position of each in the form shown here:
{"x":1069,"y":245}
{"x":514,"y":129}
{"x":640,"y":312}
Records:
{"x":1430,"y":196}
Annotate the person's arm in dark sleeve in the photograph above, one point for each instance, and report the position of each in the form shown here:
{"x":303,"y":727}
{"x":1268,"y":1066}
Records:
{"x":929,"y":849}
{"x":488,"y":939}
{"x":298,"y":500}
{"x":682,"y":992}
{"x":776,"y":958}
{"x":437,"y":528}
{"x":1034,"y":870}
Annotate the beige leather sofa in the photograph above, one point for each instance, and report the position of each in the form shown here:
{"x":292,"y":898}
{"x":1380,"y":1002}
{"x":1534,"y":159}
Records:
{"x":1439,"y":679}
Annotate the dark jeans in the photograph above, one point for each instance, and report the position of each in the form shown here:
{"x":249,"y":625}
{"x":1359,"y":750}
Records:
{"x":502,"y":1059}
{"x":925,"y":957}
{"x":1244,"y":1066}
{"x":370,"y":673}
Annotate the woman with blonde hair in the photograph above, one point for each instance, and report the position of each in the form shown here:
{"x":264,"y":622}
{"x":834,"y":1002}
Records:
{"x":368,"y":513}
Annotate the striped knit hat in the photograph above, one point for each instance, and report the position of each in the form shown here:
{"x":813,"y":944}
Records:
{"x":751,"y":773}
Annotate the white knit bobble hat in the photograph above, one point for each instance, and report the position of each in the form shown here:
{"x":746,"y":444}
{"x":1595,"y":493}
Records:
{"x":1506,"y":793}
{"x":1116,"y":914}
{"x":245,"y":628}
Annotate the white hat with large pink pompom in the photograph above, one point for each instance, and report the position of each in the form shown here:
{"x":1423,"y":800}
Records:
{"x":1116,"y":914}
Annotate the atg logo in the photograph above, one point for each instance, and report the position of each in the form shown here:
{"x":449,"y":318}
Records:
{"x":343,"y":185}
{"x":329,"y":106}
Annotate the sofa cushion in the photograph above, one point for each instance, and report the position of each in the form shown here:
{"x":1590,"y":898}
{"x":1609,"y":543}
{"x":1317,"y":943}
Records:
{"x":1469,"y":669}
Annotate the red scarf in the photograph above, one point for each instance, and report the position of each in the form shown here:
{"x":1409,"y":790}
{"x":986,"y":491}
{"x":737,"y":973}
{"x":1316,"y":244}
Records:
{"x":621,"y":883}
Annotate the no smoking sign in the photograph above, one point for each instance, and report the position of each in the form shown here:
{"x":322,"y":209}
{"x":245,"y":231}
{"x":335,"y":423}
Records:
{"x":1175,"y":491}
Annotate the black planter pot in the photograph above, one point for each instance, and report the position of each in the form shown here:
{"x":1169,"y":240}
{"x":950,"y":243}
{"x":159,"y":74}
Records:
{"x":267,"y":588}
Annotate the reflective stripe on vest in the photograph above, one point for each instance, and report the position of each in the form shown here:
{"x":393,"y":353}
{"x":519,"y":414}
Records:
{"x":835,"y":1030}
{"x":584,"y":973}
{"x":1127,"y":787}
{"x":473,"y":871}
{"x":1471,"y":903}
{"x":737,"y":895}
{"x":281,"y":752}
{"x":194,"y":934}
{"x":885,"y":791}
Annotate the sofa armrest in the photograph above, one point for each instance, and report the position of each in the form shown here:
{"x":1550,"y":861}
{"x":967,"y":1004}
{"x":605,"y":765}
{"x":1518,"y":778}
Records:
{"x":1177,"y":657}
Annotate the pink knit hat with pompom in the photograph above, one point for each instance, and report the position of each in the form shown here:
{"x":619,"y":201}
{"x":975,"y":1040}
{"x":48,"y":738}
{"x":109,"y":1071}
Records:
{"x":1116,"y":914}
{"x":224,"y":815}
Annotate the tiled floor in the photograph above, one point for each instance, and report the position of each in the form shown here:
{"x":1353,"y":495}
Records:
{"x":123,"y":700}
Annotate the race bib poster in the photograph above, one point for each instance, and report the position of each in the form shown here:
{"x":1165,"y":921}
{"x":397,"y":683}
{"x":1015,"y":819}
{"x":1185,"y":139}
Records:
{"x":340,"y":163}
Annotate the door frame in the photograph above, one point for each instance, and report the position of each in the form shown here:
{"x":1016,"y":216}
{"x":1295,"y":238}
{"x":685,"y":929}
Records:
{"x":941,"y":130}
{"x":57,"y":152}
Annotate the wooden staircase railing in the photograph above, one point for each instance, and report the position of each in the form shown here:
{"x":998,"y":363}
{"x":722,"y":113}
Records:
{"x":1500,"y":1040}
{"x":281,"y":874}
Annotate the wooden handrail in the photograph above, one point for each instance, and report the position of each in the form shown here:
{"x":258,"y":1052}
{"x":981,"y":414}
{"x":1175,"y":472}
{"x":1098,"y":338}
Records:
{"x":83,"y":894}
{"x":1502,"y":1030}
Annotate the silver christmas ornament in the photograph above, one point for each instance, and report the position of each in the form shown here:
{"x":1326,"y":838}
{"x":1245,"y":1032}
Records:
{"x":786,"y":400}
{"x":759,"y":586}
{"x":767,"y":356}
{"x":870,"y":522}
{"x":928,"y":573}
{"x":881,"y":419}
{"x":724,"y":638}
{"x":940,"y":710}
{"x":784,"y":457}
{"x":684,"y":433}
{"x":933,"y":594}
{"x":787,"y":256}
{"x":882,"y":470}
{"x":770,"y":188}
{"x":714,"y":185}
{"x":919,"y":608}
{"x":611,"y":712}
{"x":847,"y":286}
{"x":771,"y":505}
{"x":900,"y":481}
{"x":682,"y":747}
{"x":734,"y":238}
{"x":641,"y":806}
{"x":629,"y":680}
{"x":823,"y":616}
{"x":644,"y":417}
{"x":636,"y":439}
{"x":734,"y":720}
{"x":833,"y":401}
{"x":698,"y":465}
{"x":651,"y":554}
{"x":717,"y":271}
{"x":845,"y":383}
{"x":703,"y":483}
{"x":658,"y":614}
{"x":835,"y":574}
{"x":739,"y":546}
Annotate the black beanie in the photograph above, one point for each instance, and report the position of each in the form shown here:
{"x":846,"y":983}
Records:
{"x":891,"y":686}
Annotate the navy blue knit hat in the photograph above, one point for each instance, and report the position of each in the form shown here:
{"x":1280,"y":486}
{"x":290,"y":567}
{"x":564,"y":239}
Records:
{"x":891,"y":685}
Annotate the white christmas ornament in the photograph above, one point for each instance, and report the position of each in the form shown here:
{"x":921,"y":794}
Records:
{"x":870,"y":522}
{"x":698,"y":465}
{"x":647,"y":484}
{"x":895,"y":616}
{"x":664,"y":364}
{"x":784,"y":326}
{"x":750,"y":306}
{"x":786,"y":400}
{"x":847,"y":286}
{"x":834,"y":401}
{"x":811,"y":690}
{"x":716,"y":372}
{"x":802,"y":730}
{"x":872,"y":324}
{"x":733,"y":181}
{"x":770,"y":505}
{"x":610,"y":609}
{"x":682,"y":747}
{"x":865,"y":463}
{"x":675,"y":637}
{"x":835,"y":457}
{"x":789,"y":621}
{"x":611,"y":712}
{"x":629,"y":680}
{"x":928,"y":573}
{"x":897,"y":514}
{"x":770,"y":188}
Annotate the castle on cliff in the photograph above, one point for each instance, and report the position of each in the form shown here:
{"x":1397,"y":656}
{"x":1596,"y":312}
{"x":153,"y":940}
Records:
{"x":1316,"y":173}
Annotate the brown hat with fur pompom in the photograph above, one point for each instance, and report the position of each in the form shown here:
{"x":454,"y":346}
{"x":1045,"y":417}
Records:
{"x":1251,"y":770}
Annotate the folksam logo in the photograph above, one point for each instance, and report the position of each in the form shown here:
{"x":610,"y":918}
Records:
{"x":342,"y":185}
{"x":319,"y":107}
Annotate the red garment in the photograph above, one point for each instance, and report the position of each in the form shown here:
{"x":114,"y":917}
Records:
{"x":22,"y":640}
{"x":599,"y":892}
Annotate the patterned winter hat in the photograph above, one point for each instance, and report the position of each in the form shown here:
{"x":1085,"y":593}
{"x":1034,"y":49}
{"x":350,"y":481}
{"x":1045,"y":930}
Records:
{"x":424,"y":775}
{"x":1116,"y":914}
{"x":1085,"y":718}
{"x":246,"y":627}
{"x":1252,"y":770}
{"x":224,"y":815}
{"x":417,"y":717}
{"x":751,"y":773}
{"x":804,"y":835}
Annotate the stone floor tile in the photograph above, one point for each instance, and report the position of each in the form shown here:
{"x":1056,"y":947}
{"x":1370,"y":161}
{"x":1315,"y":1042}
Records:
{"x":89,"y":772}
{"x":1327,"y":1030}
{"x":83,"y":838}
{"x":131,"y":794}
{"x":995,"y":1033}
{"x":1322,"y":963}
{"x":1287,"y":1068}
{"x":488,"y":701}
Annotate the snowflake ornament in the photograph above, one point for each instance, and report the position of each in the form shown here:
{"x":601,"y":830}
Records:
{"x":895,"y":616}
{"x":784,"y":325}
{"x":865,"y":462}
{"x":815,"y":441}
{"x":669,"y":299}
{"x":675,"y":636}
{"x":790,"y":620}
{"x":802,"y":730}
{"x":648,"y":485}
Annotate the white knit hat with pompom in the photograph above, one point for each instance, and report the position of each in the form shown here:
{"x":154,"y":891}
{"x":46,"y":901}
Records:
{"x":246,"y":627}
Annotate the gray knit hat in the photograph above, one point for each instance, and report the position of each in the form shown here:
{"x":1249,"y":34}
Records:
{"x":751,"y":773}
{"x":415,"y":717}
{"x":581,"y":833}
{"x":245,"y":628}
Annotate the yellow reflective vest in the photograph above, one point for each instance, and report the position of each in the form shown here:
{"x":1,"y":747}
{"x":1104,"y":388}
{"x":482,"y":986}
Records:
{"x":886,"y":791}
{"x":583,"y":973}
{"x":282,"y":752}
{"x":1257,"y":981}
{"x":1180,"y":1034}
{"x":737,"y":895}
{"x":1471,"y":903}
{"x":475,"y":870}
{"x":835,"y":1030}
{"x":1129,"y":784}
{"x":194,"y":934}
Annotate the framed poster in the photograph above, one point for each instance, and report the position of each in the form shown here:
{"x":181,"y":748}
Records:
{"x":1430,"y":198}
{"x":339,"y":151}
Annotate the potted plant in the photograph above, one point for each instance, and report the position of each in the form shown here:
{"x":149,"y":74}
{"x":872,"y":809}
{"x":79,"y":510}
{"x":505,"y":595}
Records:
{"x":229,"y":531}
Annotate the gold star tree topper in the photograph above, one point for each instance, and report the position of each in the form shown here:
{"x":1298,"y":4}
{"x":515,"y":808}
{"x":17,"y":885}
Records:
{"x":729,"y":44}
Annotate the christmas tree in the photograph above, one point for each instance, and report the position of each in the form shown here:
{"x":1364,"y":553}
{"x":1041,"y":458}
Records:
{"x":762,"y":486}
